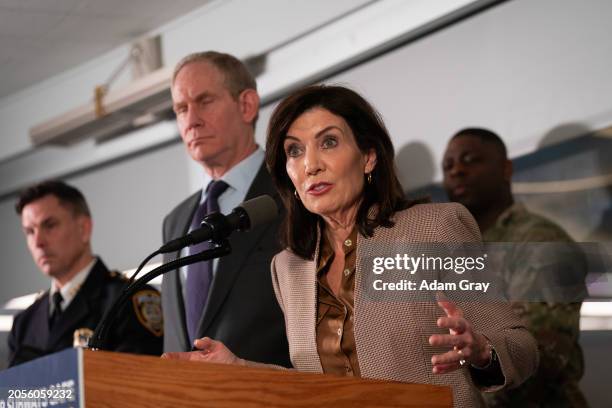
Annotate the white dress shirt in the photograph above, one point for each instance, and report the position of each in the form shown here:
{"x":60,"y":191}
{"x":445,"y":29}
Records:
{"x":70,"y":289}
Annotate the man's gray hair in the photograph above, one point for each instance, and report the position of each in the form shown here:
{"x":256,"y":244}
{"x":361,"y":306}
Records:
{"x":237,"y":77}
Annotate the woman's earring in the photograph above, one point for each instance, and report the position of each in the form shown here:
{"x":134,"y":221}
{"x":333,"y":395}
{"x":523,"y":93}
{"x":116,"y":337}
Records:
{"x":369,"y":178}
{"x":296,"y":195}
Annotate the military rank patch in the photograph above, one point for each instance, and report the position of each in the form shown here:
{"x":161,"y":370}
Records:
{"x":147,"y":307}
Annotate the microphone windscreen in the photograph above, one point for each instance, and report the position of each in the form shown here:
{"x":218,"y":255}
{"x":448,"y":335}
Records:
{"x":261,"y":210}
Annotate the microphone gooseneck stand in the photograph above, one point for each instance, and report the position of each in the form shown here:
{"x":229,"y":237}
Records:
{"x":97,"y":341}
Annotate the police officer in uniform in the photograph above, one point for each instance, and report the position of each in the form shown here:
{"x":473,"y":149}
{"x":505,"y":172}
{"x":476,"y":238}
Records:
{"x":57,"y":225}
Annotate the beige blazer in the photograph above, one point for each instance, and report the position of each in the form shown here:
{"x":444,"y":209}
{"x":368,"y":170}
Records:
{"x":392,"y":336}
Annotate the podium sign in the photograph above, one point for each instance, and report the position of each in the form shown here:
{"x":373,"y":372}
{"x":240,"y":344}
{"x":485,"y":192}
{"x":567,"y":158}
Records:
{"x":50,"y":381}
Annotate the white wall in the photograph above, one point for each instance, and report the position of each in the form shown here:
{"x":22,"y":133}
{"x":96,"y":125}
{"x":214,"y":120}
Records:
{"x":302,"y":41}
{"x":521,"y":69}
{"x":241,"y":27}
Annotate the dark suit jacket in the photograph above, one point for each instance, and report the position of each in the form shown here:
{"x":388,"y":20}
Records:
{"x":31,"y":338}
{"x":242,"y":311}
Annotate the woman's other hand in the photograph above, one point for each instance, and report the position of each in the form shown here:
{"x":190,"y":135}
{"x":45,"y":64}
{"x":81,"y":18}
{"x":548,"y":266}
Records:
{"x":466,"y":346}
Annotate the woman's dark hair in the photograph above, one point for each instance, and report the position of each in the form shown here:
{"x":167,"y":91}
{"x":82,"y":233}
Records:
{"x":299,"y":229}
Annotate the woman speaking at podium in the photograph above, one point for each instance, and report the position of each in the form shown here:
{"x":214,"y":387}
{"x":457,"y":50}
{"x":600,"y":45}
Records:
{"x":332,"y":161}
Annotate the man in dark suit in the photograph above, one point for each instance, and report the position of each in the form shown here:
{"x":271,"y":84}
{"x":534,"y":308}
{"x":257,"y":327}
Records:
{"x":231,"y":299}
{"x":57,"y":225}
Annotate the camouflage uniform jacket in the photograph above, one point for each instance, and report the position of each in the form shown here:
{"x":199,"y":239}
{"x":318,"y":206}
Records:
{"x":554,"y":323}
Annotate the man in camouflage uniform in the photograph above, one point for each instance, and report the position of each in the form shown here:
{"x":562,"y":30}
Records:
{"x":548,"y":278}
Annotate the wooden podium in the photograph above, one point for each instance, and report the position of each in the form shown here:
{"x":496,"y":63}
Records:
{"x":126,"y":380}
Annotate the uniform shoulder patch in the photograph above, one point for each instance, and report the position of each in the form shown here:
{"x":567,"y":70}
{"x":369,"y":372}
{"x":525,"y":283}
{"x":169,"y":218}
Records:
{"x":148,"y":310}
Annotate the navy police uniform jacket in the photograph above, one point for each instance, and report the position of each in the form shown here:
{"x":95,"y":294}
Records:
{"x":138,"y":328}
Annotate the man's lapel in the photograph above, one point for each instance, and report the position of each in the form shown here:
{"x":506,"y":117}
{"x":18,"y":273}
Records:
{"x":81,"y":306}
{"x":173,"y":278}
{"x":184,"y":216}
{"x":40,"y":322}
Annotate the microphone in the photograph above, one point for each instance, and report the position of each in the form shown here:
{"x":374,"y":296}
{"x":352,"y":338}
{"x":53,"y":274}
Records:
{"x":216,"y":226}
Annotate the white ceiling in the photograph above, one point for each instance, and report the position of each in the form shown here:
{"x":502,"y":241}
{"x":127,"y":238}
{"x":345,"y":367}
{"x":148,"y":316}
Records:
{"x":42,"y":38}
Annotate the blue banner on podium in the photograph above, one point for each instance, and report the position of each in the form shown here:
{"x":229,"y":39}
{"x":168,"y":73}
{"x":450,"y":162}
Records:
{"x":50,"y":381}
